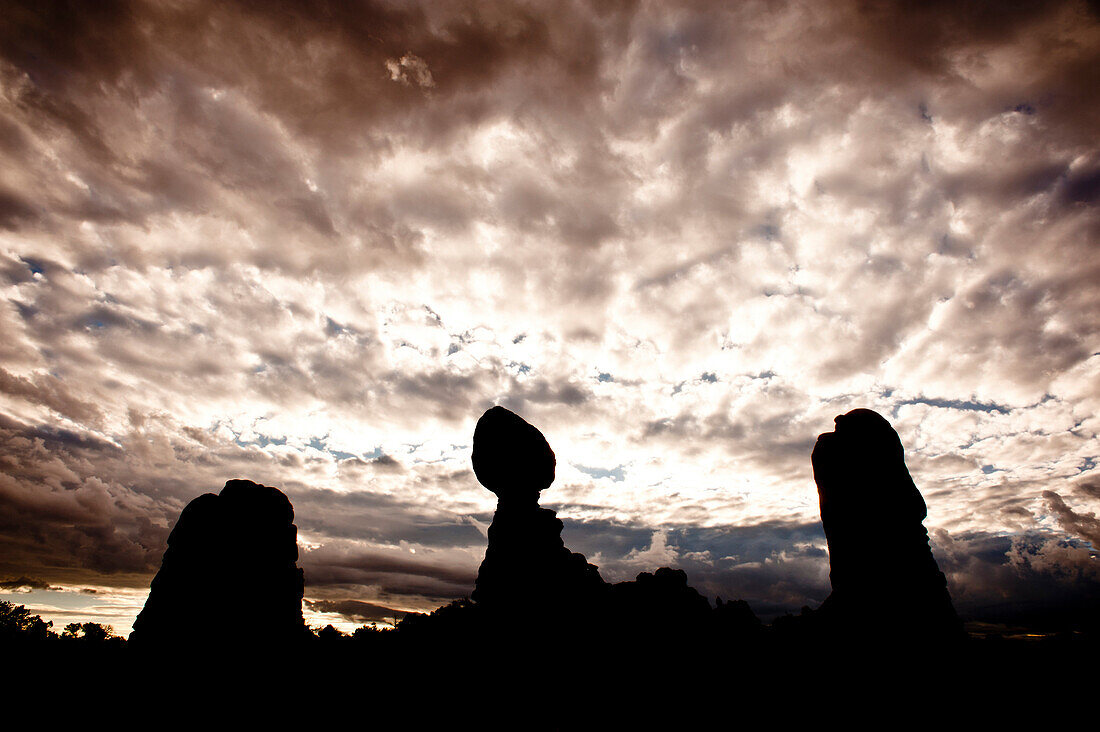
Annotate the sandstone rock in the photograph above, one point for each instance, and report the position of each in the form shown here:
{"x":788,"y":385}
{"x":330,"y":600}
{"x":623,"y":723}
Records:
{"x":511,"y":457}
{"x":229,"y":575}
{"x":530,"y":584}
{"x":884,"y":577}
{"x":660,"y":600}
{"x":527,"y":572}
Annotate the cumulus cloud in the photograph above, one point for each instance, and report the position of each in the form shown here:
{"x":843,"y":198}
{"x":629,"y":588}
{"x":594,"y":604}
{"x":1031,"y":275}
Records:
{"x":410,"y":69}
{"x":308,"y":243}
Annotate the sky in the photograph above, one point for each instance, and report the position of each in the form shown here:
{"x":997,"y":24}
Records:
{"x":309,"y":243}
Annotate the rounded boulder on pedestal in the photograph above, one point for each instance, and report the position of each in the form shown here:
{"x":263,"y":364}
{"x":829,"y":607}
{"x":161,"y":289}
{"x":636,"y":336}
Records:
{"x":511,"y":456}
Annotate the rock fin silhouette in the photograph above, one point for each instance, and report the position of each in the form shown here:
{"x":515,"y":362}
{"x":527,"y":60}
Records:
{"x":234,"y":551}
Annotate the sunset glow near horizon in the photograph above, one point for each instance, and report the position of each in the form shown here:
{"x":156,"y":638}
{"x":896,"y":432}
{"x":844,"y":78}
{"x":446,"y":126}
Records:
{"x":310,"y":246}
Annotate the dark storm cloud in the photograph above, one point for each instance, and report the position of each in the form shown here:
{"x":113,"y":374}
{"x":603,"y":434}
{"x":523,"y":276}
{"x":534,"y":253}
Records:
{"x":112,"y":526}
{"x":56,"y":519}
{"x":609,"y":537}
{"x":274,"y":52}
{"x":380,"y":518}
{"x":25,"y":584}
{"x":1034,"y":578}
{"x":322,"y":69}
{"x":777,"y":566}
{"x":389,"y":572}
{"x":355,"y":610}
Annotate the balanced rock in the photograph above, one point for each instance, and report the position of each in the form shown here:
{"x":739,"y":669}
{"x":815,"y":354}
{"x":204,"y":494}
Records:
{"x":527,"y":572}
{"x":511,"y":457}
{"x":229,"y":575}
{"x":884,"y":577}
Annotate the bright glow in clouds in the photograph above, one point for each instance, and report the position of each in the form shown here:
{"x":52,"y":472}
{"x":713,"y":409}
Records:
{"x":679,"y":240}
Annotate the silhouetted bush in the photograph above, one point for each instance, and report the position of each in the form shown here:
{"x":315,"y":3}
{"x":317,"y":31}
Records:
{"x":18,"y":624}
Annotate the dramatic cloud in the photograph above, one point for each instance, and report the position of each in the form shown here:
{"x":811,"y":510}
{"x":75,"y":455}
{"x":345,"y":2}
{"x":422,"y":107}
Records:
{"x":357,"y":612}
{"x":1085,"y":525}
{"x":24,"y":584}
{"x":308,"y":243}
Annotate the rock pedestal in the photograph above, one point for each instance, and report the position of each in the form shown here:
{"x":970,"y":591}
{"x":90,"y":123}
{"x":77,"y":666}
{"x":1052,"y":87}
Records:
{"x":527,"y":574}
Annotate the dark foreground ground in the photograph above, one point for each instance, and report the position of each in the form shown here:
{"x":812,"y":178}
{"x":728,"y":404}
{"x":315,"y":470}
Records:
{"x":667,"y":679}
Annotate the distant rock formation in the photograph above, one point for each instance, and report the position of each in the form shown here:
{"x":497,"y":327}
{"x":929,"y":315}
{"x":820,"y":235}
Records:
{"x":527,"y":574}
{"x":885,"y":579}
{"x":229,"y":575}
{"x":662,"y":600}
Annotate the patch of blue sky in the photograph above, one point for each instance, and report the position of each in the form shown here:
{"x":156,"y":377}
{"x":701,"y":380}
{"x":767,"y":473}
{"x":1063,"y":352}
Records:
{"x":988,"y":407}
{"x":34,"y":265}
{"x":260,"y":441}
{"x":616,"y":474}
{"x":321,"y":444}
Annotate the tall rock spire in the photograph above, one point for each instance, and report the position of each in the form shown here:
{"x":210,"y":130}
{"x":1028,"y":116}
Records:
{"x":884,"y":577}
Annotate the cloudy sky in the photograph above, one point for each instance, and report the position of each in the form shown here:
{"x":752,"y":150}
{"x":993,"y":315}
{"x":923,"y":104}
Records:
{"x":308,"y":243}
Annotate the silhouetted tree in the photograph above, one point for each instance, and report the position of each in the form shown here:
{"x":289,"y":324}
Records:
{"x":17,"y":622}
{"x":330,"y":634}
{"x":94,"y":632}
{"x":89,"y":632}
{"x":366,"y":632}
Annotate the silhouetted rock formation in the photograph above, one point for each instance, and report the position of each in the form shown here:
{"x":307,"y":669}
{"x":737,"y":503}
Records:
{"x":529,"y":581}
{"x":885,"y":579}
{"x":511,"y":457}
{"x":527,"y":575}
{"x":736,"y":617}
{"x":662,"y":600}
{"x":231,"y":559}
